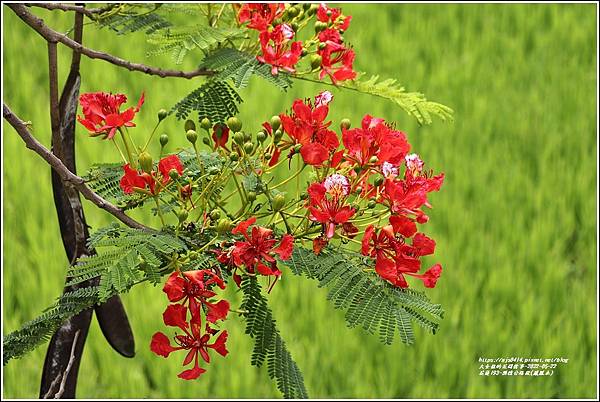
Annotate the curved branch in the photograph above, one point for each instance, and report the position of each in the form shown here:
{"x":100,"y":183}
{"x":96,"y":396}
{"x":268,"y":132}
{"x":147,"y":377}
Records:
{"x":67,"y":7}
{"x":53,"y":36}
{"x":68,"y":178}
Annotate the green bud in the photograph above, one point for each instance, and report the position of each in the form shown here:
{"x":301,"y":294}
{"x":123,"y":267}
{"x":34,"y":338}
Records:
{"x":162,"y":114}
{"x":191,"y":136}
{"x":373,"y":159}
{"x":293,"y":11}
{"x":378,"y":181}
{"x":145,"y":160}
{"x":238,"y":138}
{"x":251,"y":196}
{"x":234,"y":124}
{"x":173,"y":174}
{"x":303,"y":196}
{"x":234,"y":157}
{"x":358,"y":190}
{"x":371,"y":204}
{"x":164,"y":139}
{"x":215,"y":214}
{"x":357,"y":169}
{"x":297,"y":147}
{"x":319,"y":26}
{"x":223,"y":226}
{"x":268,"y":156}
{"x":205,"y":124}
{"x":261,"y":136}
{"x":277,"y":136}
{"x":248,"y":147}
{"x":312,"y":9}
{"x":294,"y":26}
{"x":189,"y":125}
{"x":315,"y":61}
{"x":247,"y":137}
{"x":182,"y":215}
{"x":213,"y":170}
{"x":193,"y":255}
{"x":322,"y":45}
{"x":278,"y":202}
{"x":304,"y":52}
{"x":305,"y":6}
{"x":275,"y":122}
{"x":206,"y":141}
{"x":345,"y":124}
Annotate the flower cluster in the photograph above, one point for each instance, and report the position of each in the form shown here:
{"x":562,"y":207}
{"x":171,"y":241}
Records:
{"x":153,"y":181}
{"x":189,"y":292}
{"x":278,"y":28}
{"x":101,"y":115}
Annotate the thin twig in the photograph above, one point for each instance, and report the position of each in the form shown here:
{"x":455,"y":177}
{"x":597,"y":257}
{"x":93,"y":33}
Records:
{"x":48,"y":394}
{"x":67,"y":177}
{"x":67,"y":7}
{"x":63,"y":382}
{"x":53,"y":36}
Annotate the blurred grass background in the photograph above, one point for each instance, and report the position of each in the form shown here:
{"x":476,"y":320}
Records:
{"x":515,"y":221}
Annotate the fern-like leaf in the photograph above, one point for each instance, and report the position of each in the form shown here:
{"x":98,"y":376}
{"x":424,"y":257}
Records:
{"x":215,"y":100}
{"x":128,"y":18}
{"x":413,"y":103}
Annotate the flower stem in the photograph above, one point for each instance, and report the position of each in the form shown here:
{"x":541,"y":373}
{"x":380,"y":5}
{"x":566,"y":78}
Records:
{"x":119,"y":149}
{"x":159,"y":212}
{"x":132,"y":161}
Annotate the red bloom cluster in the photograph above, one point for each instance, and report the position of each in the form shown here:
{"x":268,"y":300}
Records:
{"x":192,"y":290}
{"x":101,"y":113}
{"x":306,"y":126}
{"x":257,"y":251}
{"x":281,"y":52}
{"x":133,"y":179}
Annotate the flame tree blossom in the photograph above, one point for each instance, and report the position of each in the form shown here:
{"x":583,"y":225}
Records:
{"x":101,"y":114}
{"x":137,"y":179}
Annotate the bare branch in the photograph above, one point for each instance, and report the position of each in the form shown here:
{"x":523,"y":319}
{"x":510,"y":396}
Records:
{"x":63,"y":382}
{"x":67,"y":177}
{"x":67,"y":7}
{"x":53,"y":36}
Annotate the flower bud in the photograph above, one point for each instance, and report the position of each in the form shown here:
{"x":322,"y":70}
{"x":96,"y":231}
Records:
{"x":173,"y":174}
{"x":315,"y":61}
{"x":234,"y":157}
{"x":182,"y":215}
{"x":162,"y":114}
{"x":268,"y":156}
{"x":238,"y":138}
{"x":371,"y":204}
{"x":223,"y":226}
{"x":248,"y":147}
{"x":292,"y":12}
{"x":319,"y":26}
{"x":322,"y":45}
{"x":278,"y":202}
{"x":294,"y":26}
{"x":251,"y":196}
{"x":205,"y":124}
{"x":189,"y":125}
{"x":145,"y":160}
{"x":358,"y":190}
{"x":304,"y":52}
{"x":206,"y":141}
{"x":215,"y":214}
{"x":378,"y":181}
{"x":303,"y":196}
{"x":247,"y":137}
{"x":191,"y":136}
{"x":275,"y":122}
{"x":193,"y":255}
{"x":261,"y":136}
{"x":164,"y":139}
{"x":357,"y":169}
{"x":305,"y":6}
{"x":373,"y":159}
{"x":345,"y":124}
{"x":297,"y":148}
{"x":234,"y":124}
{"x":312,"y":9}
{"x":277,"y":136}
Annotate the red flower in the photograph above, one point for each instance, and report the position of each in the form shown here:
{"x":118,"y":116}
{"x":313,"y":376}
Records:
{"x":192,"y":340}
{"x":101,"y":113}
{"x":133,"y":179}
{"x":326,"y":203}
{"x":260,"y":15}
{"x":220,"y":135}
{"x":375,"y":138}
{"x":194,"y":287}
{"x":334,"y":16}
{"x":337,"y":62}
{"x":306,"y":126}
{"x":257,"y":252}
{"x":275,"y":49}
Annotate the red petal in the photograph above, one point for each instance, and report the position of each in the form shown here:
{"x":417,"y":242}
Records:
{"x":174,"y":287}
{"x":386,"y":269}
{"x":175,"y":316}
{"x":191,"y":374}
{"x":365,"y":249}
{"x":160,"y":345}
{"x":217,"y":311}
{"x":168,"y":163}
{"x":242,"y":227}
{"x":314,"y":153}
{"x":285,"y":247}
{"x":432,"y":275}
{"x":219,"y":345}
{"x":403,"y":225}
{"x":423,"y":244}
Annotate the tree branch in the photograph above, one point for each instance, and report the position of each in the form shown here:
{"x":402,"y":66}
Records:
{"x":67,"y":7}
{"x":53,"y":36}
{"x":68,"y":178}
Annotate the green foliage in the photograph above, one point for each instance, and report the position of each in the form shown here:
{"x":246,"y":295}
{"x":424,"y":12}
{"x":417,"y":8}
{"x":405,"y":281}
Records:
{"x":132,"y":255}
{"x":268,"y":344}
{"x":128,"y":18}
{"x":215,"y":100}
{"x":180,"y":40}
{"x":413,"y":103}
{"x":237,"y":66}
{"x":368,"y":300}
{"x":40,"y":329}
